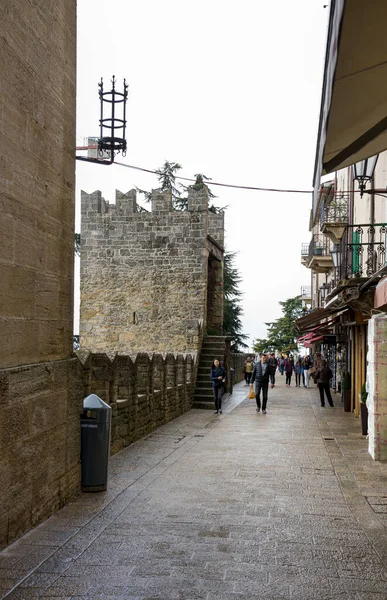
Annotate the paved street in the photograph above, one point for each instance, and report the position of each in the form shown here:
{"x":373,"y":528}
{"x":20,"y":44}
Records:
{"x":241,"y":506}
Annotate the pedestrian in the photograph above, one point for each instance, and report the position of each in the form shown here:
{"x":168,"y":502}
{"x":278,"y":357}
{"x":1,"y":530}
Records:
{"x":324,"y":375}
{"x":248,"y":369}
{"x":273,"y":363}
{"x":218,"y":378}
{"x":282,"y":364}
{"x":298,"y":370}
{"x":307,"y":365}
{"x":260,"y":377}
{"x":289,"y":368}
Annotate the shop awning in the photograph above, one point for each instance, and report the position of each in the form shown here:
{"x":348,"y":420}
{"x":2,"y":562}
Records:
{"x":315,"y":338}
{"x":353,"y":113}
{"x":318,"y":320}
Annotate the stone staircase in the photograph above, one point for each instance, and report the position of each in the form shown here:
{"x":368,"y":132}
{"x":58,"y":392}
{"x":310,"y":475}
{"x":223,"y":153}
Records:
{"x":213,"y":347}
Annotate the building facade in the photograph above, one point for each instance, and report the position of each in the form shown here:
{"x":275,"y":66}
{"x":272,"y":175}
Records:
{"x":347,"y":259}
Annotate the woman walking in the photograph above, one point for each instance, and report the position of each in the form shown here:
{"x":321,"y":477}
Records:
{"x":282,"y":364}
{"x":218,"y":378}
{"x":249,"y":366}
{"x":289,"y":368}
{"x":298,"y":371}
{"x":307,"y":366}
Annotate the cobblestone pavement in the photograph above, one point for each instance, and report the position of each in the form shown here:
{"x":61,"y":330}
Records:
{"x":241,"y":506}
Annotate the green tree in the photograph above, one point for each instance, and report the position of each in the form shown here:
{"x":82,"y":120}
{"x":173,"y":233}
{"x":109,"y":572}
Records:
{"x":166,"y":176}
{"x":232,"y":310}
{"x":281,"y":334}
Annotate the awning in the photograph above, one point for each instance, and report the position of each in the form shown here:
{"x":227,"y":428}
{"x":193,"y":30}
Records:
{"x":353,"y":113}
{"x":312,"y":318}
{"x":305,"y":324}
{"x":312,"y":340}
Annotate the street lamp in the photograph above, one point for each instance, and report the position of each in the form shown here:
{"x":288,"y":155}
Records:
{"x":363,"y":172}
{"x":323,"y":291}
{"x":336,"y":255}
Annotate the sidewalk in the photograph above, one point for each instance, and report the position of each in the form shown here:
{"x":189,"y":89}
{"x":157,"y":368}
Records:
{"x":239,"y":506}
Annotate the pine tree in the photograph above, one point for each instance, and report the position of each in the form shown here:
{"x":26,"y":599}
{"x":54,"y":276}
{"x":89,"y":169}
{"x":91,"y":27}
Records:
{"x":167,"y":178}
{"x":232,"y":310}
{"x":281,"y":334}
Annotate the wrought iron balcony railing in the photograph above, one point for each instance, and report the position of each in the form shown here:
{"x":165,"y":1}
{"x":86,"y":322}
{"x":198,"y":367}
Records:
{"x":305,"y":249}
{"x":336,"y":212}
{"x":319,"y":246}
{"x":306,"y":291}
{"x":363,"y":250}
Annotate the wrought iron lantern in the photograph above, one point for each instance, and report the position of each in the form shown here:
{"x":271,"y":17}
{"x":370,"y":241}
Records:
{"x":323,"y":291}
{"x":113,"y":120}
{"x":336,"y":255}
{"x":363,"y":172}
{"x":112,"y":125}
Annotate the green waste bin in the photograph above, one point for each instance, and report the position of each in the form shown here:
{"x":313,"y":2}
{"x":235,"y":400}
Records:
{"x":95,"y":443}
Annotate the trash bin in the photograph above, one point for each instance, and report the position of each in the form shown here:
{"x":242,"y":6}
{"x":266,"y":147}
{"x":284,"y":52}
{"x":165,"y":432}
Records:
{"x":232,"y":378}
{"x":95,"y":443}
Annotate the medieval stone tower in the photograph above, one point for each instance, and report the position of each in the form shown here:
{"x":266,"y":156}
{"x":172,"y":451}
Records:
{"x":150,"y":281}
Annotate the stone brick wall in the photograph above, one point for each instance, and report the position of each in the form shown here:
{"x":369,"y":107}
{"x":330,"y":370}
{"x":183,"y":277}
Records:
{"x":37,"y":141}
{"x":237,"y":362}
{"x":40,"y":427}
{"x":144,"y":276}
{"x":39,"y":398}
{"x":40,"y":440}
{"x":144,"y":391}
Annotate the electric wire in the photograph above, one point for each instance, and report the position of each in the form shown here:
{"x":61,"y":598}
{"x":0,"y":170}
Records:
{"x":229,"y":185}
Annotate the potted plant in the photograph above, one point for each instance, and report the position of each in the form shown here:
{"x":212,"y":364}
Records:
{"x":347,"y":392}
{"x":363,"y":410}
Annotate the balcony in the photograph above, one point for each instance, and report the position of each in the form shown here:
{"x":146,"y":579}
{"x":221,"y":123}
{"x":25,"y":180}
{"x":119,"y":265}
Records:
{"x":304,"y":254}
{"x":319,"y":258}
{"x":334,"y":217}
{"x":306,"y":293}
{"x":363,"y":251}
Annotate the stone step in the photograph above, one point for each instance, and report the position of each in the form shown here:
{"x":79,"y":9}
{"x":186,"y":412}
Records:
{"x":202,"y":403}
{"x":203,"y":393}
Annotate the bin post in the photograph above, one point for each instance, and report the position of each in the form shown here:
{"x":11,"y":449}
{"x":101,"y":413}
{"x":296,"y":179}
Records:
{"x":95,"y":443}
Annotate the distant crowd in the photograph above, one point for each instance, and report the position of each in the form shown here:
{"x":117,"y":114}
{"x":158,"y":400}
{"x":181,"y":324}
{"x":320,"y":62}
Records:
{"x":260,"y":372}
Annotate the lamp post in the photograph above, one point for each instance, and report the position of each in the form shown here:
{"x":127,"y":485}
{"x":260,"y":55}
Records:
{"x":363,"y":172}
{"x":336,"y":253}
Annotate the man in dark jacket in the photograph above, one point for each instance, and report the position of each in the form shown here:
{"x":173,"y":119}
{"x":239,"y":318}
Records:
{"x":324,"y":375}
{"x":260,"y":376}
{"x":273,"y":363}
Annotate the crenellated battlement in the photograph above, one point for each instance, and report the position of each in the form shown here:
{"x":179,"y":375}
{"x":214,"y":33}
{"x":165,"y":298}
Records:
{"x":145,"y":283}
{"x":126,"y":203}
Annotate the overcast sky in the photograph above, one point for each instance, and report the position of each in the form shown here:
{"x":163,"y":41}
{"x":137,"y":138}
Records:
{"x":228,"y":89}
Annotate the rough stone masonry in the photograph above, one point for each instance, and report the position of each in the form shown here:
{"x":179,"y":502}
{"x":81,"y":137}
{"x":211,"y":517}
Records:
{"x":150,"y":281}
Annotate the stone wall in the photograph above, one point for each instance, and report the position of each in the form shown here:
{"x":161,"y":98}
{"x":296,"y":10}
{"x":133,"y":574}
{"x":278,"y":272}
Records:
{"x":39,"y":397}
{"x":144,"y":391}
{"x":40,"y":427}
{"x":40,"y":441}
{"x":144,"y":275}
{"x":237,"y":362}
{"x":37,"y":141}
